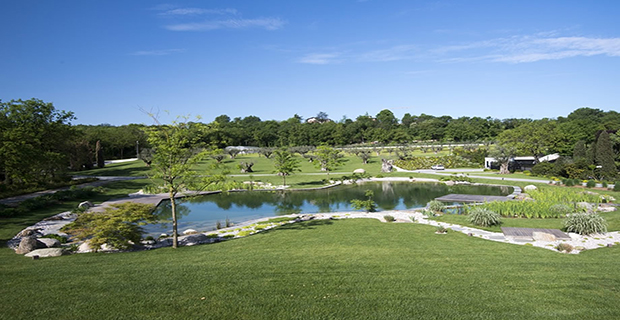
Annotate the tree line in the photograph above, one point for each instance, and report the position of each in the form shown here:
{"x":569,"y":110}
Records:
{"x":39,"y":143}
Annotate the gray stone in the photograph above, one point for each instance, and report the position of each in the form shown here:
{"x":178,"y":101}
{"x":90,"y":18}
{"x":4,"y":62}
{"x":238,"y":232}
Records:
{"x":27,"y":233}
{"x":543,"y":236}
{"x":48,"y":252}
{"x":530,"y":187}
{"x":587,"y":206}
{"x":85,"y":247}
{"x":193,"y":239}
{"x":49,"y":242}
{"x":27,"y":244}
{"x":359,"y":171}
{"x":85,"y":205}
{"x":449,"y":183}
{"x":190,"y":231}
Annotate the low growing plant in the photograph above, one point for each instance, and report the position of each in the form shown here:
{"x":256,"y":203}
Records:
{"x":590,"y":184}
{"x":441,"y":229}
{"x":564,"y":247}
{"x":585,"y":224}
{"x":484,"y":217}
{"x":389,"y":218}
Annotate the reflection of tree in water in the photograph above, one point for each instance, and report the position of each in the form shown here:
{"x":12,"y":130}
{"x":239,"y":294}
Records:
{"x":387,"y":195}
{"x":163,"y":212}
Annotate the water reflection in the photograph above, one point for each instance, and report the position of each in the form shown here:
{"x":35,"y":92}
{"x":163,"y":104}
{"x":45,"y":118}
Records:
{"x":202,"y":213}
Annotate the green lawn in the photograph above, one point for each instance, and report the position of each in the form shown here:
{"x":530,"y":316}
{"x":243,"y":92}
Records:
{"x":351,"y":269}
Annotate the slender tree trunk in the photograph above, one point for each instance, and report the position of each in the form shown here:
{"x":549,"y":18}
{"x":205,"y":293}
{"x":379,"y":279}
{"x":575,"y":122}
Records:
{"x":284,"y":179}
{"x":503,"y":168}
{"x":173,"y":205}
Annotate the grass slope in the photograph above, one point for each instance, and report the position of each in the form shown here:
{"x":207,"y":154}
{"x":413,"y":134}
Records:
{"x":353,"y":269}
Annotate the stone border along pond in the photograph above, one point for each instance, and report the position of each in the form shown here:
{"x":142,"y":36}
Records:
{"x":46,"y":247}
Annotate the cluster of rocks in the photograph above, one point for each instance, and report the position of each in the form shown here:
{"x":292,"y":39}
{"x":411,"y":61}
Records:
{"x":36,"y":247}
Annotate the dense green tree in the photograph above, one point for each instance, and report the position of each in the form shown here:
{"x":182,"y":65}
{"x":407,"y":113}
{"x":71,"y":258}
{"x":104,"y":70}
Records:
{"x":536,"y":138}
{"x":605,"y":156}
{"x":34,"y":142}
{"x":579,"y":151}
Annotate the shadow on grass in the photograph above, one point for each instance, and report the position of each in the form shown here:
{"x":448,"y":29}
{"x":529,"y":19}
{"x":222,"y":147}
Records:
{"x":312,"y":224}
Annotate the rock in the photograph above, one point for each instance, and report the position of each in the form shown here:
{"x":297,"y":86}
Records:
{"x":529,"y":187}
{"x":193,"y":240}
{"x":48,"y":252}
{"x":85,"y":247}
{"x":587,"y":206}
{"x":359,"y":171}
{"x":49,"y":242}
{"x":386,"y":165}
{"x":543,"y":236}
{"x":85,"y":205}
{"x":189,"y":231}
{"x":27,"y":233}
{"x":449,"y":183}
{"x":27,"y":244}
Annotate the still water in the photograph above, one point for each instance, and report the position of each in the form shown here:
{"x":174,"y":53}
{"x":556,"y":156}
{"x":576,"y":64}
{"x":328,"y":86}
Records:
{"x":202,"y":213}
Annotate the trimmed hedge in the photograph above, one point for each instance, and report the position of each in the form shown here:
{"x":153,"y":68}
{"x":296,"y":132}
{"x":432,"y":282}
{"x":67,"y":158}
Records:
{"x":451,"y":161}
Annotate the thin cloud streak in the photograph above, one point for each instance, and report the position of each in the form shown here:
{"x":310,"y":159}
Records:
{"x":197,"y":11}
{"x":523,"y":49}
{"x":264,"y":23}
{"x":320,"y":58}
{"x":157,"y":52}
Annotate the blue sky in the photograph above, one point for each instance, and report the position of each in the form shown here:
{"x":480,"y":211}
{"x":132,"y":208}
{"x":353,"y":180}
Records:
{"x":104,"y":60}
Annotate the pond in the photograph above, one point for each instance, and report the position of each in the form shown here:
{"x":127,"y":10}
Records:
{"x":203,"y":212}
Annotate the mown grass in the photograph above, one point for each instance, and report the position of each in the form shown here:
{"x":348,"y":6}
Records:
{"x":350,"y":269}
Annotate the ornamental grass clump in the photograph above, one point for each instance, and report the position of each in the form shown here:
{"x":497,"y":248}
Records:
{"x":585,"y":224}
{"x":484,"y":217}
{"x":561,"y":209}
{"x":435,"y":206}
{"x":389,"y":218}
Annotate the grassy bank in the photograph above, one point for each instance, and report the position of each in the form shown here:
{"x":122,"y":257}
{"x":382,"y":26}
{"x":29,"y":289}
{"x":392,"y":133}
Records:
{"x":353,"y":269}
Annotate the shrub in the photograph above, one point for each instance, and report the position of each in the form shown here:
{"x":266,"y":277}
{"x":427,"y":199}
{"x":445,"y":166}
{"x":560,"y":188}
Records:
{"x":118,"y":226}
{"x":244,"y":233}
{"x":604,"y":184}
{"x":617,"y":186}
{"x":435,"y":206}
{"x":484,"y":217}
{"x":569,"y":182}
{"x":585,"y":224}
{"x":561,"y":209}
{"x":590,"y":184}
{"x":564,"y":247}
{"x":389,"y":218}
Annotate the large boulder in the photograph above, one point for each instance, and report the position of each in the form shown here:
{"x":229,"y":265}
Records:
{"x":543,"y":236}
{"x":27,"y":244}
{"x":49,"y":242}
{"x":48,"y":252}
{"x":193,"y":239}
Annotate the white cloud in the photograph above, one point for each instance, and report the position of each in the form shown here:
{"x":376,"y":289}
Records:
{"x":157,"y":52}
{"x":522,"y":49}
{"x":320,"y":58}
{"x":390,"y":54}
{"x":265,"y":23}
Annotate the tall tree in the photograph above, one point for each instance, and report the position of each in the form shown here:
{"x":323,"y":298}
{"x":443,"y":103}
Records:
{"x":285,"y":163}
{"x":605,"y":156}
{"x":175,"y":154}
